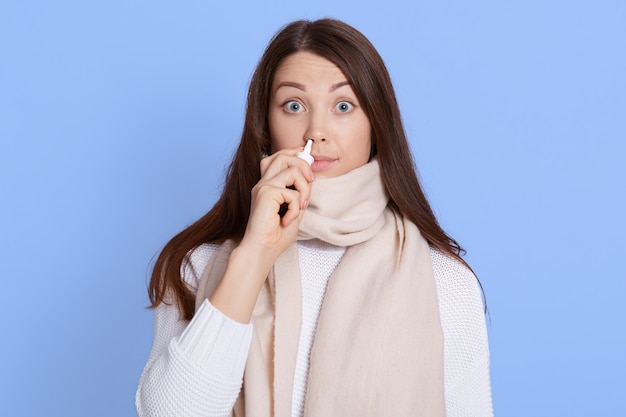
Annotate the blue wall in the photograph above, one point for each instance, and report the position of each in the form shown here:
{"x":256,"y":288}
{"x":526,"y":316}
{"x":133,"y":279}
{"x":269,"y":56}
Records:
{"x":117,"y":119}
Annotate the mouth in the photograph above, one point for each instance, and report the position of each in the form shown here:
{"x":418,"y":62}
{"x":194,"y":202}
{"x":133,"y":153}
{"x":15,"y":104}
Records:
{"x":322,"y":163}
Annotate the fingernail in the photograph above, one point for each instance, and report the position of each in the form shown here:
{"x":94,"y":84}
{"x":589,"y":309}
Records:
{"x":312,"y":176}
{"x":306,"y":204}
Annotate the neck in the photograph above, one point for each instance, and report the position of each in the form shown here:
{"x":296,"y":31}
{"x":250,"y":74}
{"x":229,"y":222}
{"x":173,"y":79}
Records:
{"x":348,"y":209}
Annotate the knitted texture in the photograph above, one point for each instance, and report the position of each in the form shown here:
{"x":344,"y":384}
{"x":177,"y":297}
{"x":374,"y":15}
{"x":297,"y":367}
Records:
{"x":317,"y":261}
{"x":182,"y":376}
{"x":193,"y":369}
{"x":466,"y":352}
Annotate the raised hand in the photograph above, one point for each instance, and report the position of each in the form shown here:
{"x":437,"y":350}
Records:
{"x":285,"y":179}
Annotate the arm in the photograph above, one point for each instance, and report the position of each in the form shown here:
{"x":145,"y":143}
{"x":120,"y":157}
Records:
{"x":285,"y":179}
{"x":194,"y":368}
{"x":466,"y":349}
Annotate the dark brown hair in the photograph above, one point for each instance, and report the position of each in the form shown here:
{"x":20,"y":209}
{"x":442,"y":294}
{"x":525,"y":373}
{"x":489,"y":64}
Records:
{"x":364,"y":68}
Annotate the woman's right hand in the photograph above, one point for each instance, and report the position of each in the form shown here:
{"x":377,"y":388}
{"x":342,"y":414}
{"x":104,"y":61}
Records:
{"x":267,"y":234}
{"x":285,"y":180}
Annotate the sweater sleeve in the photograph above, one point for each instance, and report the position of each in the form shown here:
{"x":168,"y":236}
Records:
{"x":195,"y":368}
{"x":466,"y":350}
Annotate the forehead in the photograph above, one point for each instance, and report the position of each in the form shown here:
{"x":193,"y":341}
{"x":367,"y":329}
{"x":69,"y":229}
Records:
{"x":306,"y":67}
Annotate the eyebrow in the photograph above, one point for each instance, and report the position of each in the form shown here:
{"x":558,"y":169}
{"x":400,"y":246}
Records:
{"x":338,"y":85}
{"x":291,"y":84}
{"x":303,"y":88}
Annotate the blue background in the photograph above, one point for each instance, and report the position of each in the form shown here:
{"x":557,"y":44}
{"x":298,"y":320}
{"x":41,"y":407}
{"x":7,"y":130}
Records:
{"x":117,"y":120}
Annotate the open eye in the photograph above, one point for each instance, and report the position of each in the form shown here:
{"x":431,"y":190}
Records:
{"x":344,"y":106}
{"x":293,"y":106}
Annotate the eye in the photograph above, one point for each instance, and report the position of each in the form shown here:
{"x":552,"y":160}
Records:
{"x":293,"y":106}
{"x":344,"y":106}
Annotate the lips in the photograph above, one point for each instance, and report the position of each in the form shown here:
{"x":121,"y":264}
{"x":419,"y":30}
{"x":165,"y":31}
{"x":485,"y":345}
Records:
{"x":321,"y":162}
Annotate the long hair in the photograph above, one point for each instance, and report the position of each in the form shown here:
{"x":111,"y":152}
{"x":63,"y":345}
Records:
{"x":365,"y":70}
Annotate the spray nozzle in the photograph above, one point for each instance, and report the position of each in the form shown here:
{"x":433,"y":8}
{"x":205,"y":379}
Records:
{"x":306,"y":153}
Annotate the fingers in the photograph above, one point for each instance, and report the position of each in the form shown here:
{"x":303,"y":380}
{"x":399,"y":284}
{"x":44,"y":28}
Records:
{"x":291,"y":199}
{"x":287,"y":187}
{"x":284,"y":169}
{"x":278,"y":202}
{"x":265,"y":227}
{"x":285,"y":159}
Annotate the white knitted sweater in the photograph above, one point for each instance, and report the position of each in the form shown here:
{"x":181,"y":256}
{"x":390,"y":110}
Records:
{"x":196,"y":368}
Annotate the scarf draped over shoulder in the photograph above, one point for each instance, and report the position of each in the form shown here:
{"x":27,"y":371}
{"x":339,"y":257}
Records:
{"x":378,"y":347}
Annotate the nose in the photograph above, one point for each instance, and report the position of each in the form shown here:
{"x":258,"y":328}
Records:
{"x":317,"y":128}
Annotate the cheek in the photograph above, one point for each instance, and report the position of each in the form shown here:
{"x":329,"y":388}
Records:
{"x":364,"y":136}
{"x":284,"y":134}
{"x":365,"y":155}
{"x":276,"y":131}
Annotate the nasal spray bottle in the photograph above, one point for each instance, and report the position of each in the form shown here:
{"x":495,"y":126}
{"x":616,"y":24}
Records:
{"x":306,"y":156}
{"x":306,"y":153}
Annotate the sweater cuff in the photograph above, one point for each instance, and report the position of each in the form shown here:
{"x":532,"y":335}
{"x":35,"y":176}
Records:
{"x":217,"y":342}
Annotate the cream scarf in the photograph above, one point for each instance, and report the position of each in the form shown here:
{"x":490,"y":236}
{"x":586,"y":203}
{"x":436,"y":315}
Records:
{"x":378,"y":348}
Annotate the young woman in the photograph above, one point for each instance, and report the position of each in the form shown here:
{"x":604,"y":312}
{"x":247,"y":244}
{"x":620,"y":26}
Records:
{"x":322,"y":290}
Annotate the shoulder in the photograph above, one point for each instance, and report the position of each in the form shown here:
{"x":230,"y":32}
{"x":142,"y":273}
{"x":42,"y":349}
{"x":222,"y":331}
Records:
{"x":196,"y":262}
{"x":462,"y":315}
{"x":455,"y":280}
{"x":458,"y":291}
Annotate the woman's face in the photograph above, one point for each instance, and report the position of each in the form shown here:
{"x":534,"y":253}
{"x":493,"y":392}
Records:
{"x":311,"y":98}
